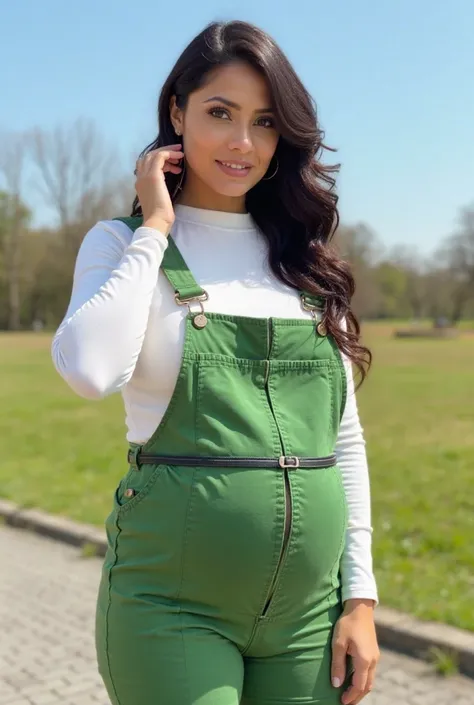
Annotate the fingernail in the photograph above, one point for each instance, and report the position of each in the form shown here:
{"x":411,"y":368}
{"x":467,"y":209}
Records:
{"x":336,"y":682}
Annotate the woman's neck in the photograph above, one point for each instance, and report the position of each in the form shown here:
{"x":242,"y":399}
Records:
{"x":197,"y":195}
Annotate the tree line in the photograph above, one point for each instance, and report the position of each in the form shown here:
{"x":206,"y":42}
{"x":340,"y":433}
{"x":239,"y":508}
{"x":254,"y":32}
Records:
{"x":77,"y":176}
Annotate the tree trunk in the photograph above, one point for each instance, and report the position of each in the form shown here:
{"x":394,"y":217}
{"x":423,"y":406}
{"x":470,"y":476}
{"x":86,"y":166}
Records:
{"x":13,"y":265}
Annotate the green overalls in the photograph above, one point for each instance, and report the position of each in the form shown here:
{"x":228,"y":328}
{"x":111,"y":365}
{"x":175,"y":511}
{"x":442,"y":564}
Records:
{"x":221,"y":582}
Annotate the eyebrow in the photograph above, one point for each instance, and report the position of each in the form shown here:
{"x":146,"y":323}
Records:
{"x":231,"y":104}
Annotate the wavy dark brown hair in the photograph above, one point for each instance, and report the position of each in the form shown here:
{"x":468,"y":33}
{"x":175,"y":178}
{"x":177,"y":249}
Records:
{"x":297,"y":209}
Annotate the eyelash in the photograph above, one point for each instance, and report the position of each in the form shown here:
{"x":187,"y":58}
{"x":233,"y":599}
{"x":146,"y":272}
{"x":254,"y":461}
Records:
{"x":226,"y":112}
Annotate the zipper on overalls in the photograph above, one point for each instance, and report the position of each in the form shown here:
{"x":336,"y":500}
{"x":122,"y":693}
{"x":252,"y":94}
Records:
{"x":287,"y":485}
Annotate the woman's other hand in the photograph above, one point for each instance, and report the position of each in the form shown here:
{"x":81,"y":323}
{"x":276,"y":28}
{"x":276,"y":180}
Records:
{"x":355,"y":635}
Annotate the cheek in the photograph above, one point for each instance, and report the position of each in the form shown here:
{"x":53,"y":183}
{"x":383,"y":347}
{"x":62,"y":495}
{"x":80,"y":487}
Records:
{"x":266,"y":147}
{"x":200,"y":144}
{"x":199,"y":150}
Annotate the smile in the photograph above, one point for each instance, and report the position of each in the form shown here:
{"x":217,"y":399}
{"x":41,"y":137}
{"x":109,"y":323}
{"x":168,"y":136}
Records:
{"x":234,"y":168}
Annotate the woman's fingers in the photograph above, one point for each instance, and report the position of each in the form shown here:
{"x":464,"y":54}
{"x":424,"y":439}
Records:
{"x":172,"y":168}
{"x":162,"y":159}
{"x":362,"y":681}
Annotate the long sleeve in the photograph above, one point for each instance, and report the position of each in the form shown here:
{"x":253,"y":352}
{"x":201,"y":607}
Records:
{"x":358,"y":580}
{"x":96,"y":347}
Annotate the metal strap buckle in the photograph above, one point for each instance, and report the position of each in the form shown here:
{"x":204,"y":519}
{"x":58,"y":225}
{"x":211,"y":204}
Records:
{"x":289,"y":461}
{"x":198,"y":317}
{"x":190,"y":299}
{"x":308,"y":306}
{"x":312,"y":308}
{"x":133,"y":457}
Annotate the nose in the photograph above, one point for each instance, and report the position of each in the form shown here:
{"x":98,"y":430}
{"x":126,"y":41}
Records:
{"x":241,"y":140}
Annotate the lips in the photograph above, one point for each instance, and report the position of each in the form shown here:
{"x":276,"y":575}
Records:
{"x":233,"y":163}
{"x":234,"y":168}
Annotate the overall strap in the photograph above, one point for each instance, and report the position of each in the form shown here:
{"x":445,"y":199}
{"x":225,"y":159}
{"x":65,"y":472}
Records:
{"x":174,"y":267}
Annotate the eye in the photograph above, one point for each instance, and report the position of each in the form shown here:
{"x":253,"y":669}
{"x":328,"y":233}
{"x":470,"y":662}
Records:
{"x":266,"y":122}
{"x":219,"y":113}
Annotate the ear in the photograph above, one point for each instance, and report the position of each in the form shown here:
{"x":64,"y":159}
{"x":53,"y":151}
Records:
{"x":176,"y":116}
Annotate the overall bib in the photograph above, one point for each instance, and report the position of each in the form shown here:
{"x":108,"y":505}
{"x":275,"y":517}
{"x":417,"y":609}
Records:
{"x":221,"y":582}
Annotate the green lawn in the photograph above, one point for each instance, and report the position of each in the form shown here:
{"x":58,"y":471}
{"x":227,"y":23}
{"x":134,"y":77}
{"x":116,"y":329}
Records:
{"x":65,"y":455}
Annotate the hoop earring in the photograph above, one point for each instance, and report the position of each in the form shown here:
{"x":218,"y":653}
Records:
{"x":267,"y":178}
{"x":179,"y":185}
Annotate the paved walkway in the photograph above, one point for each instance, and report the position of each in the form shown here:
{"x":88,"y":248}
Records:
{"x":47,"y":602}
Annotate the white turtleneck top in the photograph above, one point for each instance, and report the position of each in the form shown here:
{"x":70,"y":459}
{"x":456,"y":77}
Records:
{"x":124,"y":332}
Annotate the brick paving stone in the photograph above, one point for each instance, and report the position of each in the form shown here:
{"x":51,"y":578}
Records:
{"x":47,"y":651}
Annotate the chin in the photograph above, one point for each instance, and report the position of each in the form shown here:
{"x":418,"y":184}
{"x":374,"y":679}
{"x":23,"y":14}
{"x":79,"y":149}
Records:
{"x":234,"y":192}
{"x":232,"y":189}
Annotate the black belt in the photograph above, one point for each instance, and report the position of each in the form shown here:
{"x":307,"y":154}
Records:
{"x":284,"y":461}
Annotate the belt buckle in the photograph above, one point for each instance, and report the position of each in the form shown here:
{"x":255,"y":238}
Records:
{"x":289,"y":461}
{"x":133,"y":457}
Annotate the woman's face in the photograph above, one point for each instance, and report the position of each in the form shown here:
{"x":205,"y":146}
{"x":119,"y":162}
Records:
{"x":228,"y":133}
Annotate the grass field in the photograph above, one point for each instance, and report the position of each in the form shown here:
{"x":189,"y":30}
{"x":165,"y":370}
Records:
{"x":65,"y":455}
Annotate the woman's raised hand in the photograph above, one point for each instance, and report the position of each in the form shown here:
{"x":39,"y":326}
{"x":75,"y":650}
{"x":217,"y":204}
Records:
{"x":151,"y":188}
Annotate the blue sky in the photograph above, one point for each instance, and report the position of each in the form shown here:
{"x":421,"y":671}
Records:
{"x":393,"y":81}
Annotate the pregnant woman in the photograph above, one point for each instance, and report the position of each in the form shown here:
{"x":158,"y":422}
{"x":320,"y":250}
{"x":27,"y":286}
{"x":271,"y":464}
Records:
{"x":239,"y":566}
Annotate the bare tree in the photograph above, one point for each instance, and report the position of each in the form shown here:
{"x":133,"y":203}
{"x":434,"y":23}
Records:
{"x":116,"y":199}
{"x":78,"y":175}
{"x":458,"y":253}
{"x":359,"y":245}
{"x":438,"y":290}
{"x":14,"y":217}
{"x":408,"y":259}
